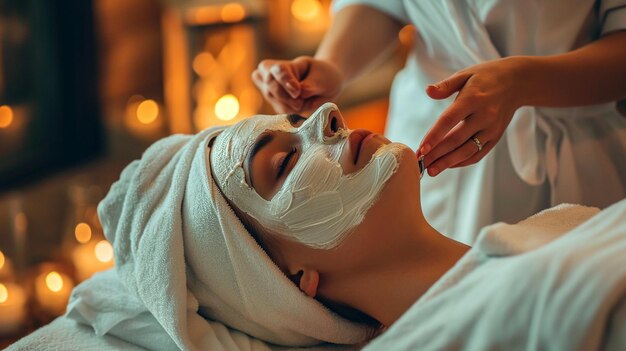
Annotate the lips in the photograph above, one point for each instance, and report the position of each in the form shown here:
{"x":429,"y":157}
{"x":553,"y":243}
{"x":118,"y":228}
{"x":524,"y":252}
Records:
{"x":356,"y":140}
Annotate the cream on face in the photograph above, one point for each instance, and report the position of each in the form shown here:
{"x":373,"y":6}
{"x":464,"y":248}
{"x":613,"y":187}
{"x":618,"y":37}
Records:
{"x":317,"y":204}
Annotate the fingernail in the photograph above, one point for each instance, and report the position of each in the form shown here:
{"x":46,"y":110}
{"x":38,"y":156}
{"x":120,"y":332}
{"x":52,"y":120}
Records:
{"x":425,"y":149}
{"x":292,"y":89}
{"x":433,"y":171}
{"x":275,"y":69}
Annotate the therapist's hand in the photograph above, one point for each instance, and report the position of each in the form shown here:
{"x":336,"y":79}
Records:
{"x":298,"y":85}
{"x":487,"y":98}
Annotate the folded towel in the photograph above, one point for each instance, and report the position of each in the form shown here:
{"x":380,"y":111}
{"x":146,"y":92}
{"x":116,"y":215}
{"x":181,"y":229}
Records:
{"x":180,"y":250}
{"x":503,"y":239}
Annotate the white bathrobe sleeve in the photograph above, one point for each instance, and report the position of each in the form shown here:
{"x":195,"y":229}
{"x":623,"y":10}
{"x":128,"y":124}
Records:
{"x":395,"y":8}
{"x":612,"y":16}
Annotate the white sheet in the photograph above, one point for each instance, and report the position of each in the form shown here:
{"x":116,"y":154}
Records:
{"x":542,"y":284}
{"x":68,"y":335}
{"x":65,"y":334}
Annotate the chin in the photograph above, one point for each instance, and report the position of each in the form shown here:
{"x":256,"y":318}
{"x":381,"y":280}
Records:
{"x":408,"y":159}
{"x":407,"y":176}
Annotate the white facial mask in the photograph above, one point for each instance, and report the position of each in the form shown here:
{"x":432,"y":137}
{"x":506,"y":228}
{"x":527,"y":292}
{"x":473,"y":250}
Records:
{"x":317,"y":205}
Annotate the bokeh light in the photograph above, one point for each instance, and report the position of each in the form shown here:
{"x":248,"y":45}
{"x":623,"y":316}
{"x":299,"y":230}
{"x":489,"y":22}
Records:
{"x":82,"y":232}
{"x":232,"y":12}
{"x":147,"y":111}
{"x":6,"y":116}
{"x":104,"y":251}
{"x":227,"y":107}
{"x":54,"y":281}
{"x":306,"y":10}
{"x":203,"y":64}
{"x":4,"y":293}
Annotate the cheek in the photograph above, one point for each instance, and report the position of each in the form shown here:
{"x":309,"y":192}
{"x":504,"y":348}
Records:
{"x":347,"y":163}
{"x":314,"y":173}
{"x":400,"y":197}
{"x":319,"y":206}
{"x":379,"y":231}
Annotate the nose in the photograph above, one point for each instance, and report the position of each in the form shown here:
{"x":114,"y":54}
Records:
{"x":334,"y":123}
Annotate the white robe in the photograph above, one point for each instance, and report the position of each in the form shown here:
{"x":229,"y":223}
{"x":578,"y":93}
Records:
{"x":547,"y":156}
{"x":541,"y":284}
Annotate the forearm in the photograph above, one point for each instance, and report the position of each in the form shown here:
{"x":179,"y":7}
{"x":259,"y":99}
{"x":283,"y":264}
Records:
{"x":358,"y":38}
{"x":592,"y":74}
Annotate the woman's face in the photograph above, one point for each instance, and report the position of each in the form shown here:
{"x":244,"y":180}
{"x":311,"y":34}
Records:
{"x":309,"y":180}
{"x":271,"y":154}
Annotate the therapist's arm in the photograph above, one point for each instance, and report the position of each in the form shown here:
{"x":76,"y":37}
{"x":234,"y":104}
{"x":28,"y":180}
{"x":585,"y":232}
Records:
{"x":358,"y":38}
{"x":491,"y":92}
{"x":592,"y":74}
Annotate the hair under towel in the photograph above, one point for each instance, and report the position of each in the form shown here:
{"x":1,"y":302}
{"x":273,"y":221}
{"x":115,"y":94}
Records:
{"x":181,"y":250}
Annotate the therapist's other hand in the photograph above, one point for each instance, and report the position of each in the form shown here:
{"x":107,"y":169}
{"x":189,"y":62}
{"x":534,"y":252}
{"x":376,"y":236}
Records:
{"x":301,"y":84}
{"x":485,"y":104}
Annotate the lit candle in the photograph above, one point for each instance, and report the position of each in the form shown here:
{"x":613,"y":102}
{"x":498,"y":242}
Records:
{"x":6,"y":268}
{"x":91,"y":258}
{"x":53,"y":291}
{"x":12,"y":308}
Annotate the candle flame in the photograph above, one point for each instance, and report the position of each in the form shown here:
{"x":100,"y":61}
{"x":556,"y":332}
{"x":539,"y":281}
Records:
{"x":147,"y":111}
{"x":4,"y":293}
{"x":6,"y":116}
{"x":227,"y":107}
{"x":306,"y":10}
{"x":104,"y":251}
{"x":54,"y":281}
{"x":2,"y":260}
{"x":82,"y":232}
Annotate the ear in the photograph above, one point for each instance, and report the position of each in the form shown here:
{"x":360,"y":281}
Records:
{"x":307,"y":280}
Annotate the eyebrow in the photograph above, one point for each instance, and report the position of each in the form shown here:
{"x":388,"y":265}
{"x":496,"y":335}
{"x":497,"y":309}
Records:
{"x":263,"y":139}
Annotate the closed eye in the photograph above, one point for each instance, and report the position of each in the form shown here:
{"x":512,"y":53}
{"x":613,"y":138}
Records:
{"x":285,"y":162}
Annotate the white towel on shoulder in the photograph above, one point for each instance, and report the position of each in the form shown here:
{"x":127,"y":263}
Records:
{"x":503,"y":239}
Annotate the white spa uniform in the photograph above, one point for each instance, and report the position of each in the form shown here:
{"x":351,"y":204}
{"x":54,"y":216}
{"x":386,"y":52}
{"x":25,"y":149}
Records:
{"x":546,"y":156}
{"x":556,"y":281}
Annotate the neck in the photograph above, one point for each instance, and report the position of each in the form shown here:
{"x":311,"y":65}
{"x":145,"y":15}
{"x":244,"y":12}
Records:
{"x":400,"y":281}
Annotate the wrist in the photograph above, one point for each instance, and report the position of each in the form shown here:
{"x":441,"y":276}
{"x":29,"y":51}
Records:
{"x":334,"y":63}
{"x":332,"y":73}
{"x":527,"y":78}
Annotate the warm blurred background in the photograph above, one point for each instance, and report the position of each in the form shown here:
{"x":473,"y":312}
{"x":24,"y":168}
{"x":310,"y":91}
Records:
{"x":86,"y":86}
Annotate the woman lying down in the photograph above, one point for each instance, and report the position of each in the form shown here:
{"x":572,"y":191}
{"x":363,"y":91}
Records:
{"x":301,"y":232}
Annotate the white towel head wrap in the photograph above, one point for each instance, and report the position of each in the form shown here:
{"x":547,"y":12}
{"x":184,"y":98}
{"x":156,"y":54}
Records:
{"x":181,"y":250}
